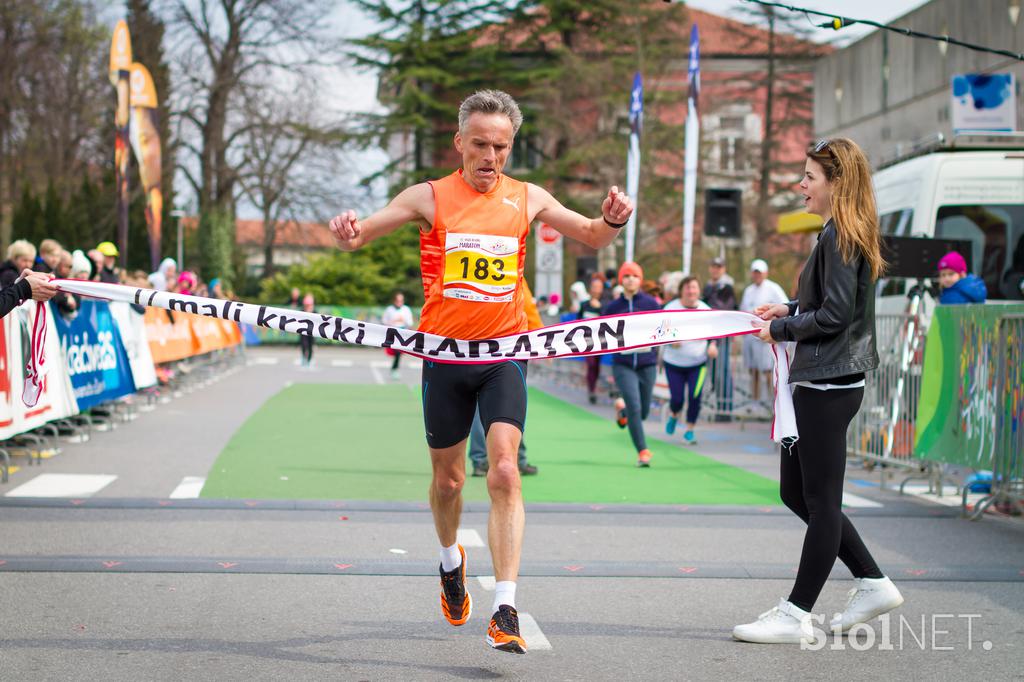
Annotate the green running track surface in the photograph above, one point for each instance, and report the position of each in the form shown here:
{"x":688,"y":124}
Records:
{"x":365,"y":442}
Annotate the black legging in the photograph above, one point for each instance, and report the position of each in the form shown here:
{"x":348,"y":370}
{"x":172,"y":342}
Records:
{"x":811,"y":485}
{"x":306,"y":343}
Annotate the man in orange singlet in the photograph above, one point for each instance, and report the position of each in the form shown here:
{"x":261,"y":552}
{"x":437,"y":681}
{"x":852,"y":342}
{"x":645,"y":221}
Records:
{"x":473,"y":226}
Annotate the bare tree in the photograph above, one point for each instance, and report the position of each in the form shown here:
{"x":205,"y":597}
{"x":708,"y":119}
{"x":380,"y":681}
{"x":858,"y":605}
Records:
{"x":283,"y":150}
{"x":224,"y":46}
{"x":53,"y":94}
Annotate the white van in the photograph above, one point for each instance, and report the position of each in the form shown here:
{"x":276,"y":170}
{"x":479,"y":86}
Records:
{"x":963,"y":191}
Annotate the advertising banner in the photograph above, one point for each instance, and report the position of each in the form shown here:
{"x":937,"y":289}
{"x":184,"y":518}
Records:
{"x":984,"y":102}
{"x":96,"y":358}
{"x":56,"y":399}
{"x":132,"y":326}
{"x":958,"y":411}
{"x":169,"y":335}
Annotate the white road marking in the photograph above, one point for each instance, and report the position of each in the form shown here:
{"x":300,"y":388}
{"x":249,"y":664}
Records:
{"x":263,"y":361}
{"x":486,"y":582}
{"x":950,"y":497}
{"x":397,"y":551}
{"x":63,"y":485}
{"x":535,"y":639}
{"x":377,"y":376}
{"x":411,"y":363}
{"x":189,"y":488}
{"x":467,"y":537}
{"x":851,"y":500}
{"x":341,"y":363}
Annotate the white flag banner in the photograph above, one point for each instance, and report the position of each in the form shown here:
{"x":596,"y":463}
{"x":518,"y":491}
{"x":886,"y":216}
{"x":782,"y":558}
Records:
{"x":596,"y":336}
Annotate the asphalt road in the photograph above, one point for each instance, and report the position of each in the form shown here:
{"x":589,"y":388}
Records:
{"x":127,"y":583}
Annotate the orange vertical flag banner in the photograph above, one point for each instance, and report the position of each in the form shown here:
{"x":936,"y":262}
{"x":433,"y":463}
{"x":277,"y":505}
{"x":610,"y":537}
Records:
{"x":145,"y":138}
{"x":120,"y":68}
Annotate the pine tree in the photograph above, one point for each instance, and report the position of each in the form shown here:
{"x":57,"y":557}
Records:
{"x":578,"y":59}
{"x":429,"y":58}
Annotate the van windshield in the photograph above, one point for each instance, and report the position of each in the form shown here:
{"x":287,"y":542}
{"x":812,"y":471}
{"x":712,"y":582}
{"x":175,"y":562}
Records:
{"x":996,"y":233}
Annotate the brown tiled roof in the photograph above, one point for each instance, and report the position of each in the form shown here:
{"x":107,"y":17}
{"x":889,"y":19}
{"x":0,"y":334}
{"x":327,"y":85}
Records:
{"x":289,"y":233}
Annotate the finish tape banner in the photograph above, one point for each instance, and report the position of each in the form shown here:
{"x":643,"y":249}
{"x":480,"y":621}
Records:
{"x":611,"y":334}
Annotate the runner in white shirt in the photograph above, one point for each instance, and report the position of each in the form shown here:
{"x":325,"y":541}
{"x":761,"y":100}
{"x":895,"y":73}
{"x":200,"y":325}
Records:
{"x":757,"y":355}
{"x":399,"y":315}
{"x":686,"y":364}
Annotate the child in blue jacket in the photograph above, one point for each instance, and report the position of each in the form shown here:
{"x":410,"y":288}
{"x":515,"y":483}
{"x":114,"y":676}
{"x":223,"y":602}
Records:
{"x":957,"y":285}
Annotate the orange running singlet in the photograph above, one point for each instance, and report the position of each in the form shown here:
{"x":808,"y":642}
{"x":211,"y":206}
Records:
{"x":472,"y":260}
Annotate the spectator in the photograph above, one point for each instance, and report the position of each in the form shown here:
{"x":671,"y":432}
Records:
{"x":305,"y":340}
{"x":21,"y":256}
{"x":34,"y":285}
{"x":97,"y":263}
{"x":577,"y":296}
{"x":295,"y":300}
{"x":589,"y":309}
{"x":166,"y":276}
{"x":719,"y":292}
{"x":634,"y":371}
{"x":686,"y":364}
{"x":49,"y":256}
{"x":188,"y":283}
{"x":757,"y":355}
{"x":215,"y":289}
{"x":66,"y":303}
{"x":477,"y":435}
{"x":109,"y":272}
{"x":958,"y":286}
{"x":81,"y":266}
{"x":651,"y":288}
{"x":398,"y":315}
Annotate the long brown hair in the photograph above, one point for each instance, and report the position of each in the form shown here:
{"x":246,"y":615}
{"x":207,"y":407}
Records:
{"x":854,"y":211}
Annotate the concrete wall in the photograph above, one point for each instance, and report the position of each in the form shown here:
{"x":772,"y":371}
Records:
{"x":887,"y":90}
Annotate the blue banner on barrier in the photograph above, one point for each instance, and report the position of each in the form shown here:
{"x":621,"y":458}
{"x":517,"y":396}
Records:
{"x":97,"y":360}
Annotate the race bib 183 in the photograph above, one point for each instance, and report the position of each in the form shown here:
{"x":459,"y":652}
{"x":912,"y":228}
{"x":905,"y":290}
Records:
{"x":480,"y":267}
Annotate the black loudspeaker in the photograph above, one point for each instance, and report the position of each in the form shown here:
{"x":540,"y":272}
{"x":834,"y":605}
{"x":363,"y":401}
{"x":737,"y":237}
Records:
{"x":723,"y":209}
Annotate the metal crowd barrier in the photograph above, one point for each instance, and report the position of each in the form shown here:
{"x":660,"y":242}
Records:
{"x":882,"y":432}
{"x":1008,"y":455}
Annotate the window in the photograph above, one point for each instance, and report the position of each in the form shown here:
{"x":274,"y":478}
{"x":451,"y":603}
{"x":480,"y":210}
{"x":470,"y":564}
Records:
{"x":524,"y":156}
{"x":996,"y":233}
{"x":732,"y":154}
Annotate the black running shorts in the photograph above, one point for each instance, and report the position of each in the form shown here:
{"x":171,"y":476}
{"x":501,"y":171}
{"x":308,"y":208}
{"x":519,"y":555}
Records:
{"x":451,"y":393}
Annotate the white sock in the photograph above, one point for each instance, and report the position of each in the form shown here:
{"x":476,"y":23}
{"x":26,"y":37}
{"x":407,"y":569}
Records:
{"x":504,"y":593}
{"x":451,"y":558}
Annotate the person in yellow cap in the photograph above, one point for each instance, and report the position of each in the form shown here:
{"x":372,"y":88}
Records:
{"x":109,"y":273}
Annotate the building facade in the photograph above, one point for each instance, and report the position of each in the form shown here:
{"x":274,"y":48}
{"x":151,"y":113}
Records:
{"x":891,"y":92}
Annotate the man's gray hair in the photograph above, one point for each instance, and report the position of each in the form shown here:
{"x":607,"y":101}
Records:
{"x":490,"y":102}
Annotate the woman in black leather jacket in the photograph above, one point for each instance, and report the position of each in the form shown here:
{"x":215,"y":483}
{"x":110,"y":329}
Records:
{"x":832,"y":322}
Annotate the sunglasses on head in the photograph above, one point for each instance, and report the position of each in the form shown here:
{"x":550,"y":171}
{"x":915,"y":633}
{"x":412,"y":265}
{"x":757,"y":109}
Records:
{"x":822,"y":144}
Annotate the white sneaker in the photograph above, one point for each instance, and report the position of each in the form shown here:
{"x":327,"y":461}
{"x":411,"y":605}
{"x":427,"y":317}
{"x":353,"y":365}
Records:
{"x":871,"y":597}
{"x":395,"y":376}
{"x":783,"y":624}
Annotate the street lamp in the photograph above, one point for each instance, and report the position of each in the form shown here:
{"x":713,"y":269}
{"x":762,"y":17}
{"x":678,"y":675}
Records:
{"x":178,"y":213}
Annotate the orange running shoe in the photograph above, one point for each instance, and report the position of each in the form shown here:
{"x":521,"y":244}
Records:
{"x":643,"y":458}
{"x":456,"y":604}
{"x":503,"y":632}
